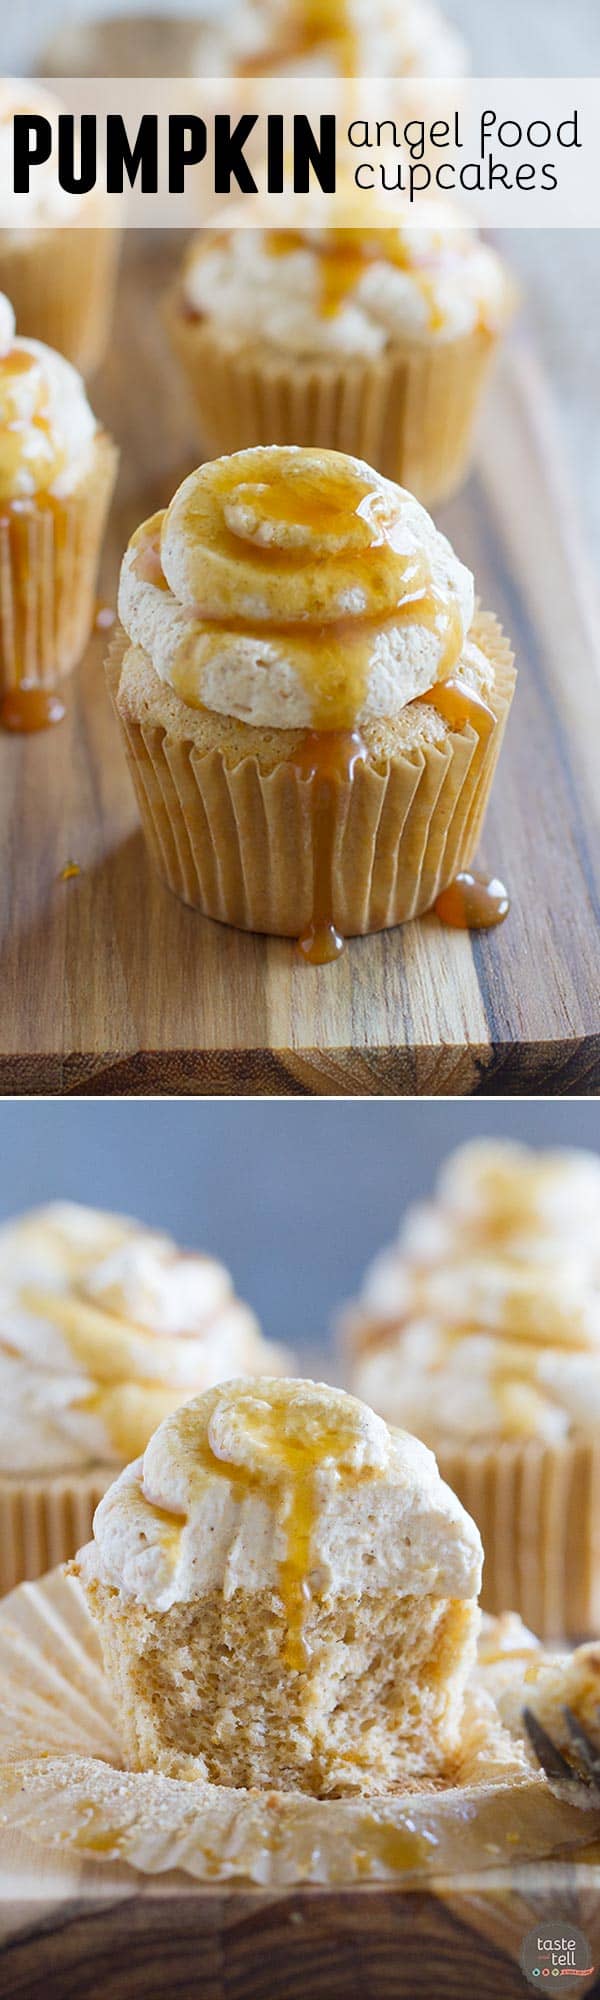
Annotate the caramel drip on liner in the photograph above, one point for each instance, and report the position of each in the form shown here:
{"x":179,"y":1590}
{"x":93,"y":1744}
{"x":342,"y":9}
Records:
{"x":330,"y":753}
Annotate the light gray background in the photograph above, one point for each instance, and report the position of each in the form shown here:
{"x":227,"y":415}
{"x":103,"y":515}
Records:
{"x":559,"y":271}
{"x":294,"y":1196}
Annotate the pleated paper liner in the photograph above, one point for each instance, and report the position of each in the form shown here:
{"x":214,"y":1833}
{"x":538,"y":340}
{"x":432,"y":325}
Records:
{"x":410,"y":413}
{"x":44,"y":1522}
{"x":537,"y":1508}
{"x":63,"y":1785}
{"x":62,"y":284}
{"x":240,"y":842}
{"x":49,"y":553}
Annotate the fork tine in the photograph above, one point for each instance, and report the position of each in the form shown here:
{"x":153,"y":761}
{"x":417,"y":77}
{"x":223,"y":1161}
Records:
{"x":550,"y":1758}
{"x":589,"y":1751}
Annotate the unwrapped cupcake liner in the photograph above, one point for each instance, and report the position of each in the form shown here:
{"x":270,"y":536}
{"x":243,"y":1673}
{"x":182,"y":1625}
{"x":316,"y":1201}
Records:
{"x":410,"y":413}
{"x":49,"y":553}
{"x":45,"y":1521}
{"x":65,"y":1790}
{"x":62,"y":284}
{"x":240,"y":844}
{"x":537,"y":1508}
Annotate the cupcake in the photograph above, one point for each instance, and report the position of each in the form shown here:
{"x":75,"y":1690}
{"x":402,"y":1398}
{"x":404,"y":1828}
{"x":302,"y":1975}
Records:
{"x":286,"y":1595}
{"x":105,"y":1327}
{"x":57,"y":472}
{"x":60,"y":275}
{"x":311,"y":706}
{"x":375,"y":342}
{"x":481,"y":1329}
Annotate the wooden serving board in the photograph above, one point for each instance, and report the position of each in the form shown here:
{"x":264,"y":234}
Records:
{"x":108,"y":985}
{"x":104,"y":1933}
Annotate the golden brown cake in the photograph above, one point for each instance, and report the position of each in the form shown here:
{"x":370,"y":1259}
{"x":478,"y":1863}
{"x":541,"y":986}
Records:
{"x":311,"y":706}
{"x":286,"y":1594}
{"x":481,"y":1329}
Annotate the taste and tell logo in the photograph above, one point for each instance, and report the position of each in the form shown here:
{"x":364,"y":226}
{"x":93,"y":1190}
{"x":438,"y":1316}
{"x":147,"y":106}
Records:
{"x":556,"y":1951}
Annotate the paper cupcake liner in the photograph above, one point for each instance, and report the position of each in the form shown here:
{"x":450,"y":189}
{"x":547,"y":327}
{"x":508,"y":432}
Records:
{"x":62,"y":284}
{"x":411,"y":413}
{"x":45,"y":1521}
{"x":240,"y":844}
{"x":49,"y":553}
{"x":63,"y":1785}
{"x":537,"y":1508}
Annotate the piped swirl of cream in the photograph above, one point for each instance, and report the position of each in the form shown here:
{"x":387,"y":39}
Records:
{"x":94,"y":1355}
{"x":296,"y":588}
{"x":292,"y":1485}
{"x":483,"y":1321}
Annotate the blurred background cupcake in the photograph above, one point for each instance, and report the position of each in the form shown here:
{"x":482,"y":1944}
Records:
{"x":105,"y":1327}
{"x":57,"y":473}
{"x":376,"y":342}
{"x":480,"y":1329}
{"x":61,"y":278}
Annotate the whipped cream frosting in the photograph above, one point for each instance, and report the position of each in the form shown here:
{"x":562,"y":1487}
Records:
{"x":287,"y":1486}
{"x":295,"y":588}
{"x":483,"y":1321}
{"x":47,"y":428}
{"x":345,"y":291}
{"x":333,"y":37}
{"x":104,"y":1328}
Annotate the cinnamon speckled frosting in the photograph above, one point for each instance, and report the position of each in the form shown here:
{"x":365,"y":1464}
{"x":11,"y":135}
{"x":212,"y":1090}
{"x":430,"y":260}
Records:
{"x":106,"y":1327}
{"x":483,"y":1321}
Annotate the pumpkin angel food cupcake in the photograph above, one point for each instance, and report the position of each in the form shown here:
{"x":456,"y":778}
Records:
{"x":312,"y":707}
{"x":287,"y":1596}
{"x":60,"y":274}
{"x":480,"y":1329}
{"x":57,"y":472}
{"x":104,"y":1328}
{"x":375,"y":342}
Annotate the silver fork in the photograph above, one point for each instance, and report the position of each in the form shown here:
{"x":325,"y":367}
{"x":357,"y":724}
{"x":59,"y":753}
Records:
{"x":576,"y":1777}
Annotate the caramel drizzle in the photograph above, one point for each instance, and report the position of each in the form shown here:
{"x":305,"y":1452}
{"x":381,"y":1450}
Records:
{"x":343,"y":255}
{"x":331,"y":657}
{"x":326,"y":760}
{"x":288,"y":1466}
{"x":310,"y":26}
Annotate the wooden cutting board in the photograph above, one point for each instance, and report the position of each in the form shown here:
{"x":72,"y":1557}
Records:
{"x":108,"y":985}
{"x":107,"y":1934}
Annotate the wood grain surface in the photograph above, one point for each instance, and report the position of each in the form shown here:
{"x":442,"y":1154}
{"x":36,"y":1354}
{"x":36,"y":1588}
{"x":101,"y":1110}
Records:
{"x":309,"y":1944}
{"x":108,"y":985}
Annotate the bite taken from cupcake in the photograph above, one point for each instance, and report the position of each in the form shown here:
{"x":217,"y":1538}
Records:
{"x":286,"y":1595}
{"x":57,"y":473}
{"x":311,"y":703}
{"x":295,"y":1682}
